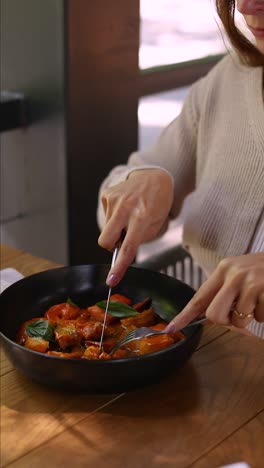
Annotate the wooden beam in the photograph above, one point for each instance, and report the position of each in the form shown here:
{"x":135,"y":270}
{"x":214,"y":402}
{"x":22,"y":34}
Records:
{"x":158,"y":79}
{"x":101,"y":42}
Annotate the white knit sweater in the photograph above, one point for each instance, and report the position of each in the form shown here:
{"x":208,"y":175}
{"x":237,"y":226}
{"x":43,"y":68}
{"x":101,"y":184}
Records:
{"x":215,"y":153}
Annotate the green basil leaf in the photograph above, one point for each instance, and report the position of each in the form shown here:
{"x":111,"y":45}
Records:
{"x":164,"y":310}
{"x":40,"y":329}
{"x":118,"y":309}
{"x":69,"y":301}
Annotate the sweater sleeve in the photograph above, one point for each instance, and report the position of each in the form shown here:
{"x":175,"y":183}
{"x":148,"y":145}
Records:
{"x":173,"y":152}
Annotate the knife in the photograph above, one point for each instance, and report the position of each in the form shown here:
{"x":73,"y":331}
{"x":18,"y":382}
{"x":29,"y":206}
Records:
{"x":115,"y":252}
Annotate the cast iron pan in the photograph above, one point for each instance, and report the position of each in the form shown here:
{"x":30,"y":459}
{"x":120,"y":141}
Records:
{"x":85,"y":285}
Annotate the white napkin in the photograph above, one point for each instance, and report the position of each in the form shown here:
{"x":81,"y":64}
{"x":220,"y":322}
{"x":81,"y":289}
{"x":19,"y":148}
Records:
{"x":236,"y":465}
{"x":8,"y":276}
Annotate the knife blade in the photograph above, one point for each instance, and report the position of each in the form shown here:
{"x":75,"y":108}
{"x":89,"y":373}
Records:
{"x":115,"y":252}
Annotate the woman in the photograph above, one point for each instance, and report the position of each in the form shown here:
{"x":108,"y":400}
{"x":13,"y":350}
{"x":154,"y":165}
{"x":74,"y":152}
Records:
{"x":212,"y":154}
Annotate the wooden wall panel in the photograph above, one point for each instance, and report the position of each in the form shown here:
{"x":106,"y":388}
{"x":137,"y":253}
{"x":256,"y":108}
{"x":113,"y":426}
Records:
{"x":102,"y":80}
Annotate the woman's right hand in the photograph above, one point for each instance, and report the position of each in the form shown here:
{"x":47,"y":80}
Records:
{"x":139,"y":206}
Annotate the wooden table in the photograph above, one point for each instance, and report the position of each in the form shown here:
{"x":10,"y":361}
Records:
{"x":208,"y":414}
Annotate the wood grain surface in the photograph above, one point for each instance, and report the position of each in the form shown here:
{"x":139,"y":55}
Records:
{"x":245,"y":444}
{"x":207,"y":414}
{"x":173,"y":423}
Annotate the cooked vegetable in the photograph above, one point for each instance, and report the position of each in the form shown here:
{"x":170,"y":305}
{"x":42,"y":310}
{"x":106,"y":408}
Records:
{"x":118,"y":309}
{"x":144,"y":319}
{"x":67,"y":334}
{"x":67,"y":331}
{"x":62,"y":311}
{"x":41,"y":329}
{"x":69,"y":301}
{"x":37,"y":344}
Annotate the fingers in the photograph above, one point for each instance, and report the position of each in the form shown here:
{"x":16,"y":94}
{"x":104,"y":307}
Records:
{"x":126,"y":256}
{"x":128,"y":251}
{"x":237,"y":280}
{"x":219,"y":309}
{"x":240,"y":320}
{"x":116,"y":220}
{"x":133,"y":238}
{"x":259,"y":309}
{"x":140,"y":206}
{"x":245,"y":305}
{"x":112,"y":234}
{"x":198,"y":305}
{"x":235,"y":290}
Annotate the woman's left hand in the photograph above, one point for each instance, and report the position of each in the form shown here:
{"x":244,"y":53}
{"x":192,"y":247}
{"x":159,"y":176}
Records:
{"x":233,"y":294}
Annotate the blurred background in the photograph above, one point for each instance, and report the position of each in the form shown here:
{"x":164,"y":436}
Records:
{"x":82,"y":85}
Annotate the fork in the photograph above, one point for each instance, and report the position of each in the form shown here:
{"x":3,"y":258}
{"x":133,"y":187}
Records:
{"x":143,"y":332}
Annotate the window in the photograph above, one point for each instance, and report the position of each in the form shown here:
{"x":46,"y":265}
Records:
{"x":174,"y":31}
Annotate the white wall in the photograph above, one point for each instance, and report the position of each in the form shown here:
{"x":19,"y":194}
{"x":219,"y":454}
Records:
{"x":33,"y":160}
{"x":33,"y":190}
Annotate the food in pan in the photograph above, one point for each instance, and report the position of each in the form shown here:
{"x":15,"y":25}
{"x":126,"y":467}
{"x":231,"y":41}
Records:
{"x":68,"y":331}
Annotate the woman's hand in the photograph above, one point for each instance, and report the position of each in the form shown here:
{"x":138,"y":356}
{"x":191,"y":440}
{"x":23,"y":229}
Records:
{"x":139,"y":206}
{"x":233,"y":295}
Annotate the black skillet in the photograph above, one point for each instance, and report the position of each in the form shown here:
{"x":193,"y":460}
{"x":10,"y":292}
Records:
{"x":85,"y":285}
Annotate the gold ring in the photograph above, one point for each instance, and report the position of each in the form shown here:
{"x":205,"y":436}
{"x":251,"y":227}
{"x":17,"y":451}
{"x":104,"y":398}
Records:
{"x":243,"y":316}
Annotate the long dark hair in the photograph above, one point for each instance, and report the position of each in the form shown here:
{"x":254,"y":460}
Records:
{"x":248,"y":53}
